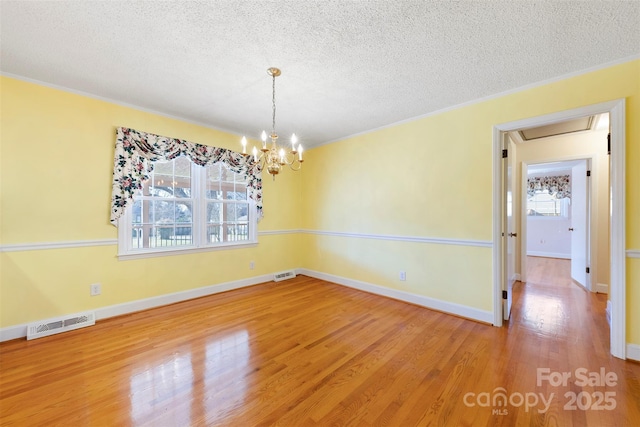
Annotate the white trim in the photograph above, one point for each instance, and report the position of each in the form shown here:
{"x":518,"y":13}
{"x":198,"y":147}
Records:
{"x":57,"y":245}
{"x":109,"y":242}
{"x":602,"y":288}
{"x":411,"y":119}
{"x":20,"y":331}
{"x":548,"y":254}
{"x":524,"y":218}
{"x":396,"y":238}
{"x":608,"y":312}
{"x":617,"y":112}
{"x":278,"y":232}
{"x":424,"y":301}
{"x":633,"y":352}
{"x":173,"y":252}
{"x":489,"y":98}
{"x":105,"y":242}
{"x":14,"y":332}
{"x":416,"y":239}
{"x":618,"y":277}
{"x":199,"y":243}
{"x":116,"y":102}
{"x":633,"y":253}
{"x":498,"y":234}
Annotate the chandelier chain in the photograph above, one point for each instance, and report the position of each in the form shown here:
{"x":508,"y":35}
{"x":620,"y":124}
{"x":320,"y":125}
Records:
{"x":273,"y":102}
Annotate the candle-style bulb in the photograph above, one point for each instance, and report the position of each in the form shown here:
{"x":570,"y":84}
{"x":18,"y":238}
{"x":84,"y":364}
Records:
{"x":300,"y":152}
{"x":244,"y":145}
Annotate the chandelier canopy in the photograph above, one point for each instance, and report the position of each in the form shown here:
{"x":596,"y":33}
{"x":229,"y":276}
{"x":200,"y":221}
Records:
{"x":274,"y":157}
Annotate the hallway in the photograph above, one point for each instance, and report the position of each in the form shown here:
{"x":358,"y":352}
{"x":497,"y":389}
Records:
{"x":549,"y":272}
{"x":551,"y":304}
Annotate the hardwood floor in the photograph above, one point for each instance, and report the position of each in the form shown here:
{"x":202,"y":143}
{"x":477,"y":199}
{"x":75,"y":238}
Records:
{"x":549,"y":272}
{"x":307,"y":352}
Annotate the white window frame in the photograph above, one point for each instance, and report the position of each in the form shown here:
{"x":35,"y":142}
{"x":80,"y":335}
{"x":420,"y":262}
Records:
{"x":564,"y":205}
{"x":200,"y":244}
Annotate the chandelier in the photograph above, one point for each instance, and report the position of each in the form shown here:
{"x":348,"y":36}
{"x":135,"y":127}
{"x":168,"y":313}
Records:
{"x":273,"y":157}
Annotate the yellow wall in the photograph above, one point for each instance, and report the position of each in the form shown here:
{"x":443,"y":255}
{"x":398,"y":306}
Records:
{"x":429,"y":178}
{"x":57,"y":161}
{"x":432,"y":177}
{"x":571,"y":146}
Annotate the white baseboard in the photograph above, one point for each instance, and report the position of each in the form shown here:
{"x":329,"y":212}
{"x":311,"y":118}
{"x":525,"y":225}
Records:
{"x":602,"y":288}
{"x":432,"y":303}
{"x":549,"y":254}
{"x":633,"y":352}
{"x":20,"y":331}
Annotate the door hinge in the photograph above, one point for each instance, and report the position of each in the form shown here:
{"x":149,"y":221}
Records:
{"x":505,"y":153}
{"x":588,"y":173}
{"x":609,"y":143}
{"x":588,"y":270}
{"x":504,"y":295}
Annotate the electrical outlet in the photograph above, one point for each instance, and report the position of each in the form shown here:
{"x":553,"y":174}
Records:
{"x":96,"y":289}
{"x":252,"y":265}
{"x":403,"y":276}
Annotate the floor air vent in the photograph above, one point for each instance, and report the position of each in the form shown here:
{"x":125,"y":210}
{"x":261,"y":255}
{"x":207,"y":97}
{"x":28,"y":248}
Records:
{"x":278,"y":277}
{"x":62,"y":324}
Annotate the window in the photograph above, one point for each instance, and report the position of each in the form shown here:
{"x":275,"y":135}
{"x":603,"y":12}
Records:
{"x":548,"y":196}
{"x":227,"y":216}
{"x":183,"y":206}
{"x":544,"y":204}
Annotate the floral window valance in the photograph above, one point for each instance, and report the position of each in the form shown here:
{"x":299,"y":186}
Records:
{"x":136,"y":151}
{"x":557,"y":186}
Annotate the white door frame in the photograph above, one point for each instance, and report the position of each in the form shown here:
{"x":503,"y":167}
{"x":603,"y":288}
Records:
{"x":617,"y":295}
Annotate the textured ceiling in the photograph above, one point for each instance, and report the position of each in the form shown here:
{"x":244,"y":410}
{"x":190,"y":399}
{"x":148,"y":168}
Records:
{"x":347,"y":66}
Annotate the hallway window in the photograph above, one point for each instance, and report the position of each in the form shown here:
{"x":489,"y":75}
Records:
{"x":548,"y":195}
{"x":544,"y":204}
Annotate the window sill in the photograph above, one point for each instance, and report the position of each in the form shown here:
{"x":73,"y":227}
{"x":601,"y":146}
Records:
{"x":173,"y":252}
{"x":547,"y":218}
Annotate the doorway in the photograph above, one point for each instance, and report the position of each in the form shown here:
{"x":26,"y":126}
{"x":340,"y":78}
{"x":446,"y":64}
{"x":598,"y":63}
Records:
{"x":557,"y":219}
{"x":616,"y":110}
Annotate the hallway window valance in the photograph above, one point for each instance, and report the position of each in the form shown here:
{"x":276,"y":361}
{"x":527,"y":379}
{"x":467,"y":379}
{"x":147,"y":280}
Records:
{"x":557,"y":186}
{"x":136,"y":151}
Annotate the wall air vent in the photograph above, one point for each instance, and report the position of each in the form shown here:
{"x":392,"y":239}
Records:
{"x":62,"y":324}
{"x":284,"y":275}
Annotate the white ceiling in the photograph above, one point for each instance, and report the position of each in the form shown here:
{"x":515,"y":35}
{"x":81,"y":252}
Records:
{"x":347,"y":66}
{"x":555,"y":168}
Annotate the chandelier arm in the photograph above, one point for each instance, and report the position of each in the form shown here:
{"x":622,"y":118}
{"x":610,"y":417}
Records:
{"x":291,"y":159}
{"x":295,"y":169}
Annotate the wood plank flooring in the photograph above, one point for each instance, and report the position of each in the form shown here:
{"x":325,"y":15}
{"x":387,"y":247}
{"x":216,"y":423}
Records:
{"x":305,"y":352}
